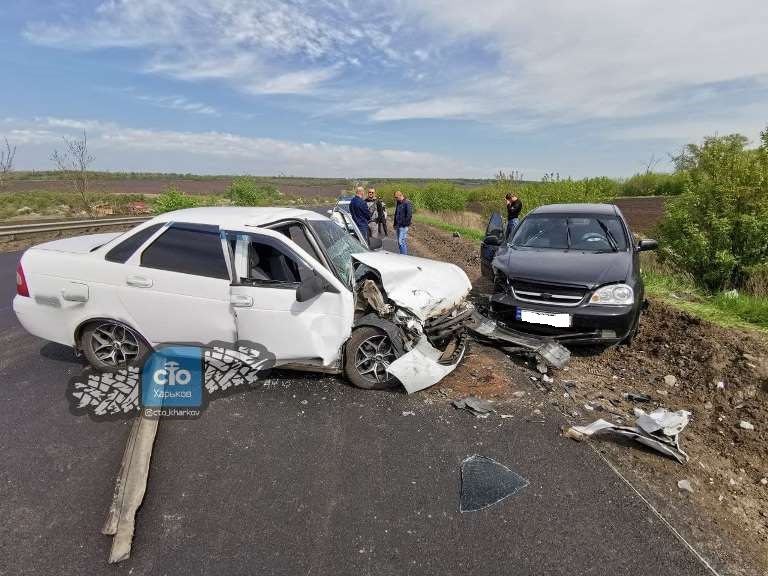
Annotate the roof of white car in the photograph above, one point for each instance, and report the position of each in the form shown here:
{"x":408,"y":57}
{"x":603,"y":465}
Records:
{"x":236,"y":215}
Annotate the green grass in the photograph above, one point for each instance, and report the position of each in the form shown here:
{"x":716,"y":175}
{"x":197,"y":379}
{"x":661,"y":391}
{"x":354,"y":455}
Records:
{"x":738,"y":310}
{"x":472,"y":233}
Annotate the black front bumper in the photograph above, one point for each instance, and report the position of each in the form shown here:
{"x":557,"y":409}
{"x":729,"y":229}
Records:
{"x":589,"y":323}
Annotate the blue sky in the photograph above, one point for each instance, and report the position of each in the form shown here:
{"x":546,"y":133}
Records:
{"x":380,"y":88}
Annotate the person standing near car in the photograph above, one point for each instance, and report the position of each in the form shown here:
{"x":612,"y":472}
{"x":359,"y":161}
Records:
{"x":381,"y":216}
{"x":358,"y":209}
{"x":403,"y":217}
{"x":371,"y":203}
{"x":514,"y":207}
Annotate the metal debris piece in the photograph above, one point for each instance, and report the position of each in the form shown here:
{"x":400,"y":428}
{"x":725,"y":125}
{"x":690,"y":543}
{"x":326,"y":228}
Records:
{"x":479,"y":407}
{"x":485,"y":482}
{"x":373,"y":296}
{"x":636,"y":397}
{"x":547,"y":350}
{"x":685,"y":486}
{"x":659,"y":430}
{"x":130,"y":487}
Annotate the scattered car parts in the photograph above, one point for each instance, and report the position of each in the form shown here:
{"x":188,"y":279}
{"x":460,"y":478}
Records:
{"x":659,"y":430}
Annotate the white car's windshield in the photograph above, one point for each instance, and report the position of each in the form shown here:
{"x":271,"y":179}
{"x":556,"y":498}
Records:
{"x":562,"y":232}
{"x":339,"y":246}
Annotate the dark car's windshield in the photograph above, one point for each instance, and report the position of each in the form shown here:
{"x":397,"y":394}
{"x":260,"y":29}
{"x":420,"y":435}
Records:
{"x":583,"y":232}
{"x":339,"y":246}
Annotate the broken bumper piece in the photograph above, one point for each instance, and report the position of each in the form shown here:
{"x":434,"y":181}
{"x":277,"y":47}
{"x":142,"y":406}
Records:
{"x":489,"y":330}
{"x":421,"y":368}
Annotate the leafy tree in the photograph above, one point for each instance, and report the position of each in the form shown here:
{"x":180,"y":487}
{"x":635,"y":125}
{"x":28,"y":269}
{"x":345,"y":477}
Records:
{"x":718,"y":227}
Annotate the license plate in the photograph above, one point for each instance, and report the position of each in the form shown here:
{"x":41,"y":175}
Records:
{"x":533,"y":317}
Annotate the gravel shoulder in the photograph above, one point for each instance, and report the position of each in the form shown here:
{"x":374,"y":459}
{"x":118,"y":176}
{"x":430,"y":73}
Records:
{"x":719,"y":375}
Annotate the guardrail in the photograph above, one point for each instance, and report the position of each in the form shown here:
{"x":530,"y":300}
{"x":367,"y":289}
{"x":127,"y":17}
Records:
{"x":56,"y":226}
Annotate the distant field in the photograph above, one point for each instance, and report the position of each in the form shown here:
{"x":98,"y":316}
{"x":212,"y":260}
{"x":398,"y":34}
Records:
{"x":642,"y":213}
{"x":104,"y":182}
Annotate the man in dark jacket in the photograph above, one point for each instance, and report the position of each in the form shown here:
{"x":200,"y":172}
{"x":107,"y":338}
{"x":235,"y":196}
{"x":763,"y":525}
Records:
{"x":403,"y":217}
{"x":358,"y":209}
{"x":514,"y":207}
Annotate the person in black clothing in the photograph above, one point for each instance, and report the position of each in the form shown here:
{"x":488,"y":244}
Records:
{"x":381,"y":216}
{"x":514,"y":207}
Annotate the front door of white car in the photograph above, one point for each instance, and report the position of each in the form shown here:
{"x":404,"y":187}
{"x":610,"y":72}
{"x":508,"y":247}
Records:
{"x":176,"y":290}
{"x":268,"y":268}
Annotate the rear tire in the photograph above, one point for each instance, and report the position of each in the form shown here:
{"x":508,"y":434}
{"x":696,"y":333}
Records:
{"x":368,"y":353}
{"x":109,"y":345}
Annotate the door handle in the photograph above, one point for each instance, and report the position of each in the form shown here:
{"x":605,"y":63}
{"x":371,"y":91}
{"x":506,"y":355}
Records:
{"x":240,"y":301}
{"x":138,"y":281}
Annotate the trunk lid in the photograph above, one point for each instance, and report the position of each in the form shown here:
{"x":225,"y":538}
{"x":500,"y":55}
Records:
{"x":78,"y":244}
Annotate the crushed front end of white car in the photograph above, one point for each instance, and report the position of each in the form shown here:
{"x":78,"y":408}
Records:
{"x":422,"y":306}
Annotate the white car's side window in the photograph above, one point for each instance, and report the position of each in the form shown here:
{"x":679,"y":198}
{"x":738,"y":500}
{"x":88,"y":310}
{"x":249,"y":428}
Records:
{"x":188,"y":249}
{"x":262,"y":260}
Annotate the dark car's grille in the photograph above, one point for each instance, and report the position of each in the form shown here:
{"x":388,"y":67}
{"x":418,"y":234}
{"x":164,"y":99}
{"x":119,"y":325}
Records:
{"x":541,"y":293}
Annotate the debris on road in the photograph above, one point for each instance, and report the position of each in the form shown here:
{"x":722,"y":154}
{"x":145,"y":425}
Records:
{"x":670,"y":380}
{"x":746,"y":425}
{"x":685,"y":486}
{"x":485,"y":482}
{"x":477,"y":406}
{"x":546,"y":350}
{"x":130,"y":487}
{"x":409,"y":413}
{"x":659,"y":430}
{"x":635,"y":397}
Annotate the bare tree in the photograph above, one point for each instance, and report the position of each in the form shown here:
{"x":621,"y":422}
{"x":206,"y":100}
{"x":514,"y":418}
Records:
{"x":6,"y":162}
{"x":651,"y":164}
{"x":73,"y":162}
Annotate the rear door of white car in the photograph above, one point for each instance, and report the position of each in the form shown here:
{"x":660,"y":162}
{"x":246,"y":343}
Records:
{"x":176,"y":288}
{"x":268,"y":269}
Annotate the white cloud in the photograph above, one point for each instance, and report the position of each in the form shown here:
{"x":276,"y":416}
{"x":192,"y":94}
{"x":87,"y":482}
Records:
{"x":123,"y":148}
{"x":180,"y":103}
{"x":597,"y":59}
{"x":277,"y":46}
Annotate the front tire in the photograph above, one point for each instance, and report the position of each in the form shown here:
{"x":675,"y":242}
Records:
{"x":367,"y":355}
{"x":109,"y":345}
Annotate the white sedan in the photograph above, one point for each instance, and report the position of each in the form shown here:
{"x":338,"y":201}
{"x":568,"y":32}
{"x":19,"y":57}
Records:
{"x":291,"y":280}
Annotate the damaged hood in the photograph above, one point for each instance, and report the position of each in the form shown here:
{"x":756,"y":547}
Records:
{"x":424,"y":287}
{"x":584,"y":268}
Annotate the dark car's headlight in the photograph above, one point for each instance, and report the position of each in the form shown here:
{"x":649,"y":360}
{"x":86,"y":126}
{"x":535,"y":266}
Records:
{"x":616,"y":294}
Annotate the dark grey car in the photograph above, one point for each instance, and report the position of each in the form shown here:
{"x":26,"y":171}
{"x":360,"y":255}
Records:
{"x":570,"y":271}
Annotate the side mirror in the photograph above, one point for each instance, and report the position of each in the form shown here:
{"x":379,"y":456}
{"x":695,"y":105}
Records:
{"x":311,"y":286}
{"x":647,"y":244}
{"x":374,"y":243}
{"x":492,"y":240}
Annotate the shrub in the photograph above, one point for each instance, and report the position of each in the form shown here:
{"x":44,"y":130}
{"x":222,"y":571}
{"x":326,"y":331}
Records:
{"x":718,"y":227}
{"x":654,"y":184}
{"x":172,"y":199}
{"x":246,"y":191}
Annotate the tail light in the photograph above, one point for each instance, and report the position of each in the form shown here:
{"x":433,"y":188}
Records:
{"x":21,"y":283}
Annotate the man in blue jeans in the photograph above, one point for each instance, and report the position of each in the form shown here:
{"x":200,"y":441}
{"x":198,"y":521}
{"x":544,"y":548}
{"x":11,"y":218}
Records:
{"x":358,"y":209}
{"x":403,"y":217}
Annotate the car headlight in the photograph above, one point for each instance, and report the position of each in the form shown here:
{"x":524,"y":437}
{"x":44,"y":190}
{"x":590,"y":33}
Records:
{"x":613,"y":294}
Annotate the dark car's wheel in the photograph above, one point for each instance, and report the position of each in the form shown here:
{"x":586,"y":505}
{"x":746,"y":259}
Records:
{"x":109,"y":345}
{"x":368,"y":354}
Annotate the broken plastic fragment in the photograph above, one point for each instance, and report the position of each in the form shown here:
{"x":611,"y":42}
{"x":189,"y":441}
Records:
{"x":485,"y":482}
{"x":659,"y":430}
{"x":419,"y":368}
{"x":479,"y":407}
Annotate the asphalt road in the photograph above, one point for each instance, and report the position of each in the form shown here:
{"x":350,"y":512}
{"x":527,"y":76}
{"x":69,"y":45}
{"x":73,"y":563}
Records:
{"x":305,"y":475}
